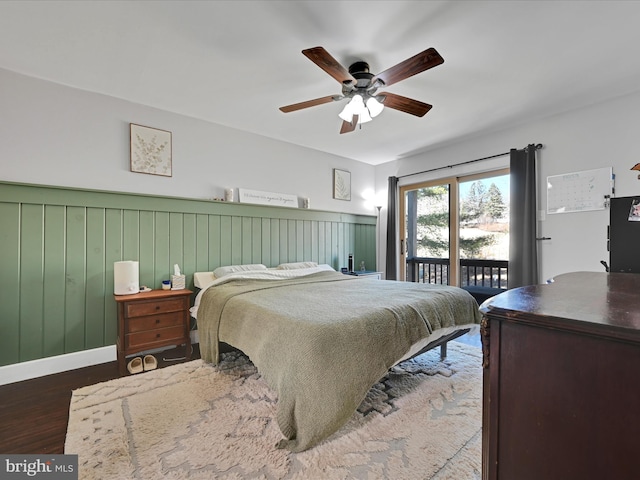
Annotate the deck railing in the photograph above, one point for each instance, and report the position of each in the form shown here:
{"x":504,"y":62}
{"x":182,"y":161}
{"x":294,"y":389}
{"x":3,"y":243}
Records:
{"x":473,"y":272}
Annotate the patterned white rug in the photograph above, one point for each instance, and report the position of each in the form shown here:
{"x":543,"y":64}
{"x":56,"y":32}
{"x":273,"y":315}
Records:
{"x":192,"y":420}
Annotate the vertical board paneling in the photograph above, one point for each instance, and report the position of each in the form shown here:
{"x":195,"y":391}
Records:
{"x":176,"y":244}
{"x":256,"y":240}
{"x":358,"y":245}
{"x":10,"y":291}
{"x":246,"y":240}
{"x":340,"y":249}
{"x":31,"y":281}
{"x":131,"y":231}
{"x":189,"y":247}
{"x":351,"y":241}
{"x":113,"y":253}
{"x":147,"y":249}
{"x":226,"y":241}
{"x":202,"y":243}
{"x":54,"y":279}
{"x":313,"y":241}
{"x":266,"y":241}
{"x":56,"y":291}
{"x":274,"y":242}
{"x":292,"y":244}
{"x":321,"y":243}
{"x":236,"y":240}
{"x":328,"y":246}
{"x":218,"y":243}
{"x":299,"y":235}
{"x":161,"y":261}
{"x":75,"y":279}
{"x":95,"y":283}
{"x":283,"y":240}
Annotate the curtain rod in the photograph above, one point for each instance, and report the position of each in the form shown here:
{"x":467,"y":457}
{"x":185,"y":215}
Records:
{"x":538,"y":147}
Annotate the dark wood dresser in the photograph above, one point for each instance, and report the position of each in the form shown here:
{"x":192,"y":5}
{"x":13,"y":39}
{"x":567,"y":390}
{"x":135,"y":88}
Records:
{"x":562,"y":380}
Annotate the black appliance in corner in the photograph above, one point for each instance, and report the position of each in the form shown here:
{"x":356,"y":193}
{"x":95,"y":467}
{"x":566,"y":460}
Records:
{"x":624,"y":235}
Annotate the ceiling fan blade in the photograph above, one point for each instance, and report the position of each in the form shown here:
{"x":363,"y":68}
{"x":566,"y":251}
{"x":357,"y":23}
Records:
{"x":410,"y":67}
{"x":309,"y":103}
{"x":404,"y":104}
{"x":326,"y":62}
{"x":349,"y":126}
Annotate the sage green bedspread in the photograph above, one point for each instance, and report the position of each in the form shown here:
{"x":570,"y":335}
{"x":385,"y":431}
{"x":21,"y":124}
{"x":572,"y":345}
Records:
{"x":321,"y":341}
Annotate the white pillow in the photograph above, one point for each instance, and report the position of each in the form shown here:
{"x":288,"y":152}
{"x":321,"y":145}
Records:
{"x":203,"y":279}
{"x":222,"y":271}
{"x":296,"y":265}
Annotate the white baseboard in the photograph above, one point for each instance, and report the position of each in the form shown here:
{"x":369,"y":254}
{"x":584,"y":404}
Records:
{"x":60,"y":363}
{"x":18,"y":372}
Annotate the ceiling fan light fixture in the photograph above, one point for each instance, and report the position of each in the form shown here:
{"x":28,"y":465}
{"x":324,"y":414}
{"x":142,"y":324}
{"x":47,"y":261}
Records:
{"x":374,"y":106}
{"x":350,"y":109}
{"x":347,"y":112}
{"x":364,"y":116}
{"x":357,"y":107}
{"x":354,"y":107}
{"x":359,"y":86}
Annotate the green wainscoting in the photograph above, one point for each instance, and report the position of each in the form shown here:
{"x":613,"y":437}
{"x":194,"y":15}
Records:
{"x":58,"y":246}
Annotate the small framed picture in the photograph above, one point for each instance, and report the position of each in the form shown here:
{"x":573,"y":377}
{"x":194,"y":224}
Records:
{"x":150,"y":150}
{"x":341,"y":184}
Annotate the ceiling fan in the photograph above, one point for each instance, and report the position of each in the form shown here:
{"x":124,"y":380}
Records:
{"x":360,"y":87}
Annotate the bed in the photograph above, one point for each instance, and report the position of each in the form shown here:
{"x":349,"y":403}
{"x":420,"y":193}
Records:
{"x":320,"y":338}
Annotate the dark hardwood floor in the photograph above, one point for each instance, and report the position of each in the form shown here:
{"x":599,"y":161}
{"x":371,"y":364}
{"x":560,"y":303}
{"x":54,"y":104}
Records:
{"x":34,"y":413}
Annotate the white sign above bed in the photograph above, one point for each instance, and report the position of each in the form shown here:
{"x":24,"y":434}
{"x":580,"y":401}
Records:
{"x":267,"y":198}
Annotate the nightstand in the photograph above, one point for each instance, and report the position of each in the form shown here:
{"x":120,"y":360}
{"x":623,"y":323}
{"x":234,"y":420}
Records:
{"x":366,"y":273}
{"x":151,"y":320}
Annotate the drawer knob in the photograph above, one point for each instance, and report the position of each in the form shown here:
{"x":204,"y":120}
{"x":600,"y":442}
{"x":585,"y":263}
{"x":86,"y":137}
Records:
{"x":157,"y":335}
{"x":157,"y":307}
{"x":157,"y":321}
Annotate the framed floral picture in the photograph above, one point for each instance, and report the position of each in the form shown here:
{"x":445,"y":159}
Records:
{"x":150,"y":150}
{"x":341,"y":184}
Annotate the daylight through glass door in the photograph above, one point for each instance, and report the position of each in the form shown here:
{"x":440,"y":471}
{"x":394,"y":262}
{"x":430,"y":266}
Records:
{"x":455,"y":231}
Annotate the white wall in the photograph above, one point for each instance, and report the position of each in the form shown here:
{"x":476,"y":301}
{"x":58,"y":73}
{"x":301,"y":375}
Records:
{"x":601,"y":135}
{"x":56,"y":135}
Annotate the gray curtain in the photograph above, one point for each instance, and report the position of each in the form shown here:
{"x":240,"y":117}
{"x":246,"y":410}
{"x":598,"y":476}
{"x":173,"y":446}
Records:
{"x":523,"y":251}
{"x":392,"y":235}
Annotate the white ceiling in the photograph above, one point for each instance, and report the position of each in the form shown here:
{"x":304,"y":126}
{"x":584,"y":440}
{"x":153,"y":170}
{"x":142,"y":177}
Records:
{"x":234,"y":63}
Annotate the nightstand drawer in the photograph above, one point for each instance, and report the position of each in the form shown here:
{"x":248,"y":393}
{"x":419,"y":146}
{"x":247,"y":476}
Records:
{"x":149,"y":337}
{"x":141,"y":309}
{"x":163,"y":320}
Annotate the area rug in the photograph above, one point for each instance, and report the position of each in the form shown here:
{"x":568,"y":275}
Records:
{"x":197,"y":421}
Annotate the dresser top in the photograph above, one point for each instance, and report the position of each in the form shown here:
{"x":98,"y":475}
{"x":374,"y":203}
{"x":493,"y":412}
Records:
{"x":596,"y":300}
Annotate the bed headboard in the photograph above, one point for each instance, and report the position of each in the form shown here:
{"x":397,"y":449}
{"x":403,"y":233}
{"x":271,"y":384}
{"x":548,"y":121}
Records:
{"x":58,"y":246}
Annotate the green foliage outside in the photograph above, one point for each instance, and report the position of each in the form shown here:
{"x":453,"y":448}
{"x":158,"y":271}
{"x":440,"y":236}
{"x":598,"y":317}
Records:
{"x":480,"y":207}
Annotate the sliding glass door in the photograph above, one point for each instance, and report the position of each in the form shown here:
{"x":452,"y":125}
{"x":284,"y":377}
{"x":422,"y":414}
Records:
{"x":455,"y":230}
{"x":428,"y":218}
